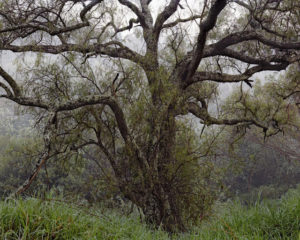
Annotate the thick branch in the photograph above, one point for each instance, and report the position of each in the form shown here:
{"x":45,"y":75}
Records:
{"x":146,"y":12}
{"x":219,"y":77}
{"x":6,"y":89}
{"x":88,"y":8}
{"x":136,"y":10}
{"x":239,"y":37}
{"x":246,"y":58}
{"x":205,"y":27}
{"x":106,"y":100}
{"x":119,"y":116}
{"x":229,"y":78}
{"x":12,"y":83}
{"x":29,"y":102}
{"x":165,"y":14}
{"x":120,"y":51}
{"x":52,"y":31}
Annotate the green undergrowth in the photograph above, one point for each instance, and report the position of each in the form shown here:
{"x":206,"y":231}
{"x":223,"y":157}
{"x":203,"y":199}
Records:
{"x":265,"y":220}
{"x":36,"y":219}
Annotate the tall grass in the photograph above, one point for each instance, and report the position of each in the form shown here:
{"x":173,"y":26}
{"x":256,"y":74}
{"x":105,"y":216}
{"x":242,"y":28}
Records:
{"x":35,"y":219}
{"x":266,"y":220}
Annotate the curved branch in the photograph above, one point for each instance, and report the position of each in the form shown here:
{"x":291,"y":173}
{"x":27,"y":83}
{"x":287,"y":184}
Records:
{"x":229,"y":78}
{"x":243,"y":36}
{"x":243,"y":4}
{"x":203,"y":114}
{"x":49,"y":137}
{"x":107,"y":100}
{"x":205,"y":27}
{"x":164,"y":15}
{"x":181,"y":20}
{"x":246,"y":58}
{"x":12,"y":83}
{"x":136,"y":10}
{"x":290,"y":94}
{"x":122,"y":29}
{"x":7,"y":90}
{"x":48,"y":27}
{"x":88,"y":8}
{"x":119,"y":117}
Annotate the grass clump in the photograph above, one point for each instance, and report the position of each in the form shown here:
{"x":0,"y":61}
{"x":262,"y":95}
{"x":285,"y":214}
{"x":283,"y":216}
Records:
{"x":276,"y":219}
{"x":36,"y":219}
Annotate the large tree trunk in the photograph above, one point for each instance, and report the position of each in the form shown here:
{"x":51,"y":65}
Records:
{"x":158,"y":203}
{"x":159,"y":211}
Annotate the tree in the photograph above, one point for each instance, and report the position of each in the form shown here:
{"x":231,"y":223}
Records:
{"x":127,"y":103}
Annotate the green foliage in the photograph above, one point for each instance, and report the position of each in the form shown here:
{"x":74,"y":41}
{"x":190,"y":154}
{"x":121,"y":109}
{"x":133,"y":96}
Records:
{"x":34,"y":219}
{"x":254,"y":165}
{"x":196,"y":195}
{"x":268,"y":220}
{"x":272,"y":191}
{"x":266,"y":104}
{"x":37,"y":219}
{"x":18,"y":156}
{"x":16,"y":162}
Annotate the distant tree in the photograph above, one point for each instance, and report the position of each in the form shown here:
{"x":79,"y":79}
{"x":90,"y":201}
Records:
{"x":128,"y":74}
{"x":254,"y":163}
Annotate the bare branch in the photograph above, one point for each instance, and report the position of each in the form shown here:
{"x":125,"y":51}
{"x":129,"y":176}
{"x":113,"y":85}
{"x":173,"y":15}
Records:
{"x":243,"y":4}
{"x":96,"y":99}
{"x":181,"y":20}
{"x":88,"y":8}
{"x":243,"y":36}
{"x":146,"y":12}
{"x":119,"y":117}
{"x":6,"y":89}
{"x":33,"y":22}
{"x":229,"y":78}
{"x":130,"y":25}
{"x":12,"y":83}
{"x":29,"y":102}
{"x":205,"y":27}
{"x":220,"y":77}
{"x":49,"y":136}
{"x":164,"y":15}
{"x":246,"y":58}
{"x":52,"y":31}
{"x":136,"y":10}
{"x":119,"y":51}
{"x":203,"y":114}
